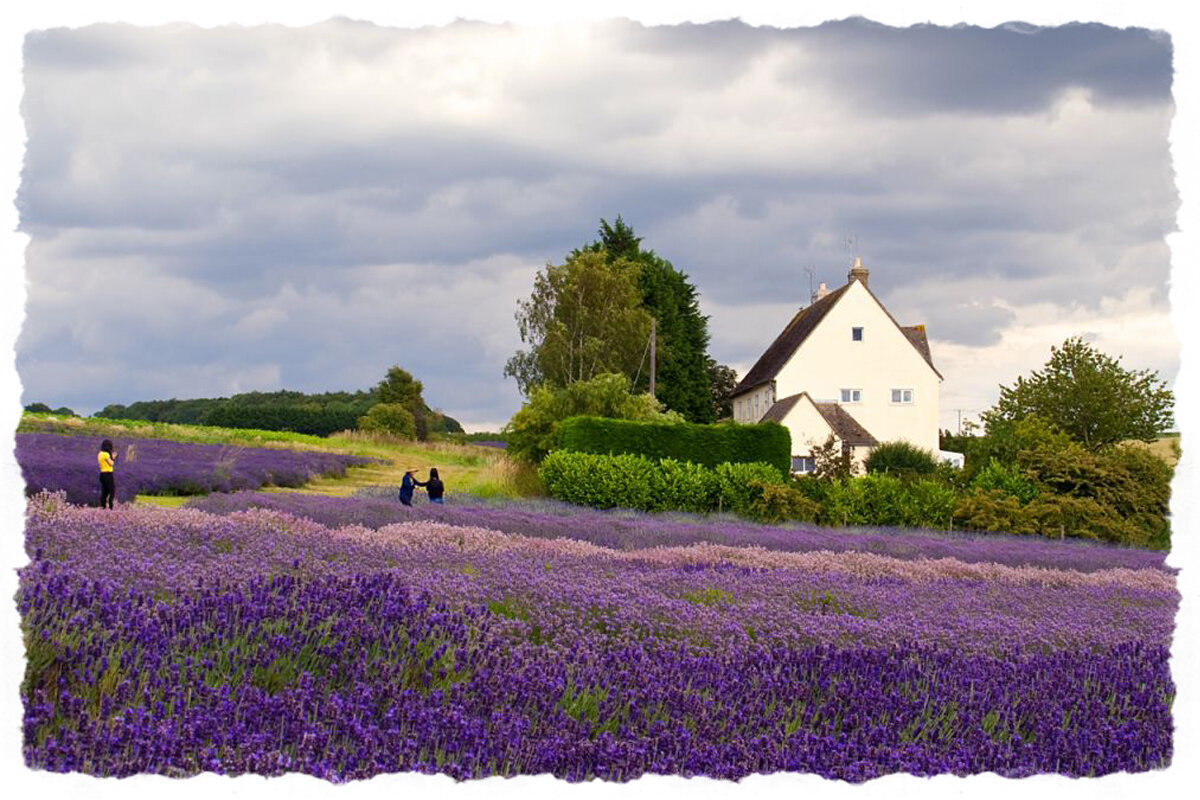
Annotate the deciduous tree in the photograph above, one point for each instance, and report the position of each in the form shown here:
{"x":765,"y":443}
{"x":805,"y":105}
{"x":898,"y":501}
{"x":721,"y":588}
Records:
{"x":533,"y":430}
{"x":584,"y":318}
{"x":1090,"y":397}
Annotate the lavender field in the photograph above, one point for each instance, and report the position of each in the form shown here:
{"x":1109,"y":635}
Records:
{"x":349,"y":638}
{"x":156,"y":466}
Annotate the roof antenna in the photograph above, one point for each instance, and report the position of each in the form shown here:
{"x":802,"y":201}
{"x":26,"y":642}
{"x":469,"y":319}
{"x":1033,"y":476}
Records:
{"x":812,"y":294}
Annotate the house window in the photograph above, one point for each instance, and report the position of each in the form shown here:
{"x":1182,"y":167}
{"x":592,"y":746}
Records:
{"x":856,"y":334}
{"x":803,"y":464}
{"x":851,"y":395}
{"x":902,"y":395}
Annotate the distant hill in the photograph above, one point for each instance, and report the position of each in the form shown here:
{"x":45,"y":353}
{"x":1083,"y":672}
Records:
{"x":316,"y":414}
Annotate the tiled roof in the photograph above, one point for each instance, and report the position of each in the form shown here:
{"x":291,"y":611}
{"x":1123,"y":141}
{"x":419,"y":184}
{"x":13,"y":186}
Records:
{"x":804,"y":323}
{"x":916,"y":335}
{"x":777,"y":412}
{"x":771,"y":361}
{"x":845,"y":426}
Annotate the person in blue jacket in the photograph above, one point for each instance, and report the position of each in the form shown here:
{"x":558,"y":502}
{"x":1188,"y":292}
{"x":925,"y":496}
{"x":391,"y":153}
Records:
{"x":407,"y":484}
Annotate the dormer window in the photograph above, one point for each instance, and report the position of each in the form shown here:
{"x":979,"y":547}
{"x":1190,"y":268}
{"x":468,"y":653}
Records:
{"x":856,"y":334}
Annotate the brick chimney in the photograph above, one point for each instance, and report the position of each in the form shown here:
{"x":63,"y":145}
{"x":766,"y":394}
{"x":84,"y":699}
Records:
{"x":858,"y":272}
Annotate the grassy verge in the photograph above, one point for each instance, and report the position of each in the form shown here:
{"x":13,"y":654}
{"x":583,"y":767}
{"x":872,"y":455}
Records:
{"x":480,"y":470}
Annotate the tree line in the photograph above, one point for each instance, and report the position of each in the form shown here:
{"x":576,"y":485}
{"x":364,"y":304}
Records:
{"x":319,"y":414}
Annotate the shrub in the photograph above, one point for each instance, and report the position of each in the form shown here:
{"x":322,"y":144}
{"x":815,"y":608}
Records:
{"x":992,"y":510}
{"x":598,"y":481}
{"x":901,"y":458}
{"x":1007,"y":478}
{"x":740,"y":485}
{"x":779,"y":503}
{"x":535,"y":429}
{"x":390,"y":418}
{"x":708,"y":445}
{"x":682,"y":486}
{"x":886,"y":500}
{"x":637,"y":482}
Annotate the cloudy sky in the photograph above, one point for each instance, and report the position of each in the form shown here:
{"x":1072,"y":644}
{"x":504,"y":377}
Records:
{"x":231,"y":208}
{"x":211,"y":209}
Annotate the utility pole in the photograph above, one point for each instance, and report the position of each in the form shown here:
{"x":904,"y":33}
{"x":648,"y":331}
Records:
{"x":653,"y":346}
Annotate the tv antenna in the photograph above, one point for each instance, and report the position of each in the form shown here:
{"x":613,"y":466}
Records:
{"x":851,"y":242}
{"x":812,"y":271}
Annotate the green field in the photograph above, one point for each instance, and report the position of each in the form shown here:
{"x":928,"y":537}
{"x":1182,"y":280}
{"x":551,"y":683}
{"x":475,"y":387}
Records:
{"x":479,"y":470}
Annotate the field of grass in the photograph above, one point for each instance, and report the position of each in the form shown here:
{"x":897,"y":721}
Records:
{"x":479,"y":470}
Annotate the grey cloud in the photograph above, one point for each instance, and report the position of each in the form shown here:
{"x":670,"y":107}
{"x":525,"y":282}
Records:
{"x":322,"y":201}
{"x":1008,"y":69}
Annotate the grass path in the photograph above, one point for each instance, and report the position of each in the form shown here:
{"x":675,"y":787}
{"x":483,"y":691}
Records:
{"x":480,"y":470}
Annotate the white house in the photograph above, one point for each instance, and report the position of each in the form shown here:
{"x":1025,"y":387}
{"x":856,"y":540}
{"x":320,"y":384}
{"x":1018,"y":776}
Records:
{"x":844,"y":367}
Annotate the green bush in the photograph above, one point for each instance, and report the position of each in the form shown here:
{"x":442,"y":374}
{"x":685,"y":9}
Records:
{"x":390,"y":418}
{"x":535,"y":429}
{"x":707,"y":445}
{"x":776,"y":503}
{"x":885,"y":500}
{"x":901,"y":458}
{"x":1007,"y":478}
{"x":633,"y":481}
{"x":598,"y":481}
{"x":993,"y":510}
{"x":740,"y":485}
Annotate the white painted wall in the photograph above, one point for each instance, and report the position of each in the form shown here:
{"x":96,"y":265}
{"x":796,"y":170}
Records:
{"x":807,"y":427}
{"x":751,"y":406}
{"x":829,"y":361}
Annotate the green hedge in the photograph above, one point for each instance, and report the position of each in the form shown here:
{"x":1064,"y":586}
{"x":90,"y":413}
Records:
{"x":633,"y":481}
{"x":883,"y":500}
{"x":706,"y":445}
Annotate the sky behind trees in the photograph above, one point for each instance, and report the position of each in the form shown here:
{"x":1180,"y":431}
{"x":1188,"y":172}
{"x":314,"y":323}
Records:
{"x":235,"y":208}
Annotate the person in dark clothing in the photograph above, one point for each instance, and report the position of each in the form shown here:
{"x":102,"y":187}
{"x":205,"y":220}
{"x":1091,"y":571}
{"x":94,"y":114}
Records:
{"x":407,"y":485}
{"x":107,"y":459}
{"x":434,"y":486}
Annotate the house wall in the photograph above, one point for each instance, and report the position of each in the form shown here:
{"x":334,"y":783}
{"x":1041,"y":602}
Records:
{"x":807,"y":428}
{"x":829,"y":361}
{"x":751,"y":406}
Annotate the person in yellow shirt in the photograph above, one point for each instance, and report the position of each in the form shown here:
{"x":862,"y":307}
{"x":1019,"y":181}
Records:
{"x":107,"y":459}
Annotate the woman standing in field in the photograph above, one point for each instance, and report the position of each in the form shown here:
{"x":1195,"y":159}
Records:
{"x":407,"y":485}
{"x":434,"y":486}
{"x":107,"y":459}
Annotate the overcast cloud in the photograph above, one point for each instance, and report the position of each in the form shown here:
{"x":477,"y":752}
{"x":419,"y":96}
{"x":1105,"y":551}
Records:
{"x":255,"y":208}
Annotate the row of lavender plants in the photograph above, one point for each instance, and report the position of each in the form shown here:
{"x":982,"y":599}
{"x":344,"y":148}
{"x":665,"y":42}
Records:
{"x":631,"y":530}
{"x":52,"y":462}
{"x":178,"y":641}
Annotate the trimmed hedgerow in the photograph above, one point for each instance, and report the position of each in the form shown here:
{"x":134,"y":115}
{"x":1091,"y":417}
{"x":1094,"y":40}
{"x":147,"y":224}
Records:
{"x":884,"y":500}
{"x":706,"y":445}
{"x":638,"y":482}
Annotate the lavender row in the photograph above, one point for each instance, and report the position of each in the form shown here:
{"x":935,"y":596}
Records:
{"x":552,"y":589}
{"x":628,"y":530}
{"x":348,"y":677}
{"x":154,"y":466}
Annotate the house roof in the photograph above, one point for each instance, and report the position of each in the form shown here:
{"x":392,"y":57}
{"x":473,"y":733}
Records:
{"x":843,"y":424}
{"x":846,"y":427}
{"x":777,"y":412}
{"x":916,"y":335}
{"x":804,"y":323}
{"x":775,"y":356}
